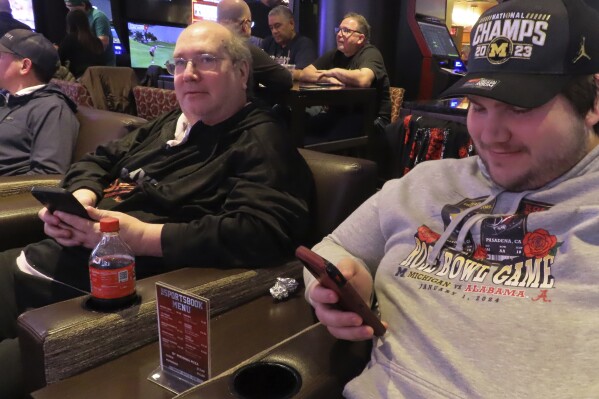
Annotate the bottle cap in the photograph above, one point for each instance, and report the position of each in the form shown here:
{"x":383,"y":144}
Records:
{"x":109,"y":225}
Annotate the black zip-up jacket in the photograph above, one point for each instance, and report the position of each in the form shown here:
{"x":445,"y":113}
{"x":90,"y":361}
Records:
{"x":38,"y":132}
{"x":234,"y":195}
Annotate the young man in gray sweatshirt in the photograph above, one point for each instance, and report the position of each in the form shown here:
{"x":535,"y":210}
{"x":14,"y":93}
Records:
{"x":486,"y":268}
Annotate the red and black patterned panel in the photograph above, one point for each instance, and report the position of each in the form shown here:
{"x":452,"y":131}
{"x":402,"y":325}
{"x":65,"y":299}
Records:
{"x":152,"y":101}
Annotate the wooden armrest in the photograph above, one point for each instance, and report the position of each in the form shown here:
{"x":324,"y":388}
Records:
{"x":63,"y":339}
{"x":11,"y":185}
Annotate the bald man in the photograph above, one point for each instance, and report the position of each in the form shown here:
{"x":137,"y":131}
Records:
{"x":217,"y":183}
{"x":275,"y":79}
{"x":7,"y":22}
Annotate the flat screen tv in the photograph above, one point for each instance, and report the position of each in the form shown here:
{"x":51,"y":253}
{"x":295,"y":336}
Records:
{"x":438,"y":39}
{"x":151,"y":44}
{"x":22,"y":10}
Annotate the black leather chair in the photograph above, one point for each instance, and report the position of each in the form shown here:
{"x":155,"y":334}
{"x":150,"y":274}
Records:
{"x":64,"y":339}
{"x":18,"y":209}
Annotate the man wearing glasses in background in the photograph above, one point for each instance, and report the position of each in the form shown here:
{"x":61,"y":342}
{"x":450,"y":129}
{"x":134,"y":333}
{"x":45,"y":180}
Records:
{"x":356,"y":63}
{"x":217,"y":183}
{"x":268,"y":80}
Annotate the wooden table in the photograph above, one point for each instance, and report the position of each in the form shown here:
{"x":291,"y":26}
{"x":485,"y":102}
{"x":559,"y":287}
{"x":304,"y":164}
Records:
{"x":304,"y":95}
{"x":235,"y":336}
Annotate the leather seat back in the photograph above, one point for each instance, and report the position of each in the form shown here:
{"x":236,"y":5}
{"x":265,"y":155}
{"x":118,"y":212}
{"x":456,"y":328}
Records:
{"x":342,"y":184}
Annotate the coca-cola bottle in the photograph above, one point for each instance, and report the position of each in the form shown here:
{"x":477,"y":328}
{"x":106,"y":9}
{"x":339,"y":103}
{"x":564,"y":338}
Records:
{"x":111,"y":270}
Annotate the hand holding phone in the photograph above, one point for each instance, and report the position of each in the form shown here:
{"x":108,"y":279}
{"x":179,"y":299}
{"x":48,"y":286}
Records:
{"x":330,"y":277}
{"x":59,"y":199}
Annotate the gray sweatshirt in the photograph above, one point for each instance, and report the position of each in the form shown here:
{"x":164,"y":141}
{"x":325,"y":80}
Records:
{"x":488,"y":293}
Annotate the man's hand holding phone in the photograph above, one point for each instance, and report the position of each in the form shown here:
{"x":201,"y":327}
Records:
{"x":60,"y":205}
{"x":357,"y":324}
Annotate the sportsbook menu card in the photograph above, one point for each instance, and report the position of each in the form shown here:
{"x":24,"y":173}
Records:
{"x":184,"y":335}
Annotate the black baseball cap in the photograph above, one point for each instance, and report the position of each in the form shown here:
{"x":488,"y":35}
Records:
{"x":28,"y":44}
{"x":523,"y":52}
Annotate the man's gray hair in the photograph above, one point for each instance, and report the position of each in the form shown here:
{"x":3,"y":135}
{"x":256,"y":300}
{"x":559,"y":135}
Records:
{"x":282,"y":11}
{"x":236,"y":47}
{"x":363,"y":26}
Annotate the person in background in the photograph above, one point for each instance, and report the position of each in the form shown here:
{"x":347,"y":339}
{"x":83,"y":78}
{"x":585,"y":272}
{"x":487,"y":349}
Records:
{"x":259,"y":9}
{"x":285,"y":43}
{"x":7,"y":21}
{"x":356,"y":63}
{"x":485,"y":268}
{"x":38,"y":126}
{"x":217,"y":183}
{"x":80,"y":48}
{"x":269,"y":80}
{"x":100,"y":26}
{"x":152,"y":52}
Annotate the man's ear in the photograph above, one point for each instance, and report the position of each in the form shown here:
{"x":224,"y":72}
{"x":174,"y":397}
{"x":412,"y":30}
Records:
{"x":26,"y":66}
{"x":244,"y":71}
{"x":592,"y":117}
{"x":362,"y":38}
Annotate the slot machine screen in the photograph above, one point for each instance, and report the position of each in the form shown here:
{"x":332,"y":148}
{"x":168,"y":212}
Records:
{"x":438,"y":39}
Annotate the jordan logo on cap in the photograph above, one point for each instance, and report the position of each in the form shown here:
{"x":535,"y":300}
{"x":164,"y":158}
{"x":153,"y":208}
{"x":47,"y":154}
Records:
{"x":581,"y":52}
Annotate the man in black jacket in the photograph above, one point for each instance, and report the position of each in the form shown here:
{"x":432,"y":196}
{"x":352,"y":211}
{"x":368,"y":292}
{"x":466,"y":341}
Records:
{"x":218,"y":184}
{"x":38,"y":125}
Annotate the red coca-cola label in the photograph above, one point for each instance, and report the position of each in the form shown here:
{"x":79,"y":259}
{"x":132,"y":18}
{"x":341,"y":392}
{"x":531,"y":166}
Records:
{"x":112,"y":283}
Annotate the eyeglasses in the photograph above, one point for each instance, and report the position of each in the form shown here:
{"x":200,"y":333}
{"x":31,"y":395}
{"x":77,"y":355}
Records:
{"x":200,"y":62}
{"x":346,"y":31}
{"x":246,"y":21}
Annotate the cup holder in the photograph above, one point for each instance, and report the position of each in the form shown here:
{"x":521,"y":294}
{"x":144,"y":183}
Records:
{"x":266,"y":380}
{"x":110,"y":306}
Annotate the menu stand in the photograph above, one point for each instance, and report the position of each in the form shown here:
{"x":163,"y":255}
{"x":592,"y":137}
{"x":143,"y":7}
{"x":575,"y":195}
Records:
{"x":184,"y":339}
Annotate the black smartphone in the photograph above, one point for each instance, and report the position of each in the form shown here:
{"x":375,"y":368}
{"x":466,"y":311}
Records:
{"x":318,"y":86}
{"x":59,"y":199}
{"x":329,"y":276}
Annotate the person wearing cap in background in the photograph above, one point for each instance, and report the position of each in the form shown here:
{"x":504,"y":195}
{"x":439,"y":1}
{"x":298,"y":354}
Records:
{"x":38,"y":125}
{"x":7,"y":21}
{"x":268,"y":80}
{"x":286,"y":43}
{"x":100,"y":26}
{"x":485,"y":268}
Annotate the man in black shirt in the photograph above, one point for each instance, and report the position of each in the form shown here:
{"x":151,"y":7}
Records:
{"x":357,"y":63}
